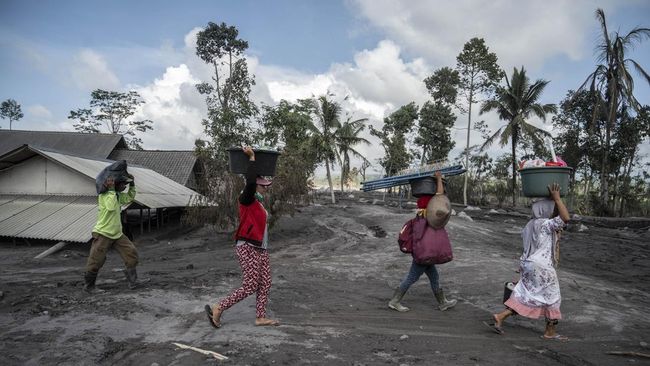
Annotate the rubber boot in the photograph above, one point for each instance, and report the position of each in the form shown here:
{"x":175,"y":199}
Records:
{"x":89,"y":279}
{"x":132,"y":277}
{"x":394,"y":303}
{"x":444,"y":304}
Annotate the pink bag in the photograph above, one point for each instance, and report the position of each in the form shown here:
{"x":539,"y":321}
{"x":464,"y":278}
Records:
{"x":433,"y":247}
{"x":406,"y":235}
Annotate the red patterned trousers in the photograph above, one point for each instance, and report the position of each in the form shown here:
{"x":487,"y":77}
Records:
{"x":257,"y":279}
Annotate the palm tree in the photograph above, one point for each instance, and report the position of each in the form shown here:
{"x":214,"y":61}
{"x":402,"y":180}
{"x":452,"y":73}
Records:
{"x":515,"y":103}
{"x":612,"y":82}
{"x":347,"y":137}
{"x":324,"y":133}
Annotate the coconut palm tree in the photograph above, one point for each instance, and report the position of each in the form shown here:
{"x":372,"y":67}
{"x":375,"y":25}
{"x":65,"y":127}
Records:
{"x":613,"y":83}
{"x":326,"y":113}
{"x":347,"y":137}
{"x":515,"y":103}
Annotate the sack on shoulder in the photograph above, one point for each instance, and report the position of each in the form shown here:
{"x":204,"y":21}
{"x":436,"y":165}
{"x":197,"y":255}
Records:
{"x":412,"y":230}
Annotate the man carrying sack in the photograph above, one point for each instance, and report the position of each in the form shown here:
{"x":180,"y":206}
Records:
{"x":108,"y":229}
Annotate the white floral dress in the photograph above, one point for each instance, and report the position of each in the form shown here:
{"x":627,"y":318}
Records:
{"x":537,"y":293}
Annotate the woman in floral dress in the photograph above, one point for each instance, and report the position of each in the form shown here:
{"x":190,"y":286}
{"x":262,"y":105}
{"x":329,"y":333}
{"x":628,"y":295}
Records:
{"x":537,"y":293}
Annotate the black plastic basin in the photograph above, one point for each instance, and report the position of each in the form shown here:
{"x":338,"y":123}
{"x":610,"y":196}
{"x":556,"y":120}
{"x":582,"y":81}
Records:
{"x":424,"y":186}
{"x":266,"y":161}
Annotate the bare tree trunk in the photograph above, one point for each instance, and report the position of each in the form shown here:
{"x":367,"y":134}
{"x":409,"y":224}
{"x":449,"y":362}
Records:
{"x":514,"y":165}
{"x":615,"y":195}
{"x":342,"y":177}
{"x":626,"y":184}
{"x":469,"y":130}
{"x":572,"y":183}
{"x":329,"y":179}
{"x":604,"y":184}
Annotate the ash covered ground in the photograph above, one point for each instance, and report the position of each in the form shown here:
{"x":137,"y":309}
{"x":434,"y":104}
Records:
{"x":334,"y":268}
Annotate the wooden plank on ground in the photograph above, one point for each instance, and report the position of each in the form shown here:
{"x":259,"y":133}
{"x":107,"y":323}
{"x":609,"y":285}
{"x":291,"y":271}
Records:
{"x":216,"y":355}
{"x":55,"y":248}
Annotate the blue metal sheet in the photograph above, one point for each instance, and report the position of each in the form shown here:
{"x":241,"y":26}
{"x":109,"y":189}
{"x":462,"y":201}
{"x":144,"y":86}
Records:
{"x":406,"y":179}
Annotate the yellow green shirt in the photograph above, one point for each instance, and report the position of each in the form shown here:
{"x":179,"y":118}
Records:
{"x":110,"y":204}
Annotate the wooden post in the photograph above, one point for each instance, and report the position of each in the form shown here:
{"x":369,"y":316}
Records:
{"x":149,"y":220}
{"x":55,"y":248}
{"x":157,"y":218}
{"x":141,"y":223}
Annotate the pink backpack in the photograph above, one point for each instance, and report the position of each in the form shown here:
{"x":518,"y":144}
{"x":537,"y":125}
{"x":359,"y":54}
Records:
{"x":412,"y":230}
{"x":432,"y":247}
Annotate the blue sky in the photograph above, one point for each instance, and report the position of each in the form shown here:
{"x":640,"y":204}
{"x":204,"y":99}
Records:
{"x":54,"y":53}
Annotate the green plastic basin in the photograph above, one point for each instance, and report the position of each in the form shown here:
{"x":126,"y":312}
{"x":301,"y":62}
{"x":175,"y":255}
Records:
{"x":534,"y":181}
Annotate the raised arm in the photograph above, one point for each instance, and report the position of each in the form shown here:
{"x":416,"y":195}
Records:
{"x":248,"y":195}
{"x":130,"y":195}
{"x":440,"y":188}
{"x":554,"y":189}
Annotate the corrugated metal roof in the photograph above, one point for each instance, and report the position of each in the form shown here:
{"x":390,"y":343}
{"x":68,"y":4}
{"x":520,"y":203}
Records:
{"x":175,"y":165}
{"x":91,"y":145}
{"x":72,"y":217}
{"x":154,"y":190}
{"x":62,"y":218}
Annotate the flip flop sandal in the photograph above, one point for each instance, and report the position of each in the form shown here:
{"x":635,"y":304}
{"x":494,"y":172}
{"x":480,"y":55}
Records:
{"x":208,"y":311}
{"x":496,"y":329}
{"x":557,"y":337}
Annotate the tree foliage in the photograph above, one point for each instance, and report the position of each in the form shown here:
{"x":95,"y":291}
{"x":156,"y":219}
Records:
{"x":479,"y":74}
{"x":10,"y":109}
{"x":347,"y":137}
{"x":326,"y":121}
{"x":436,"y":118}
{"x":515,"y":103}
{"x":393,"y":138}
{"x":443,"y":85}
{"x":227,"y":96}
{"x":229,"y":117}
{"x":434,"y":133}
{"x":112,"y":112}
{"x":289,"y":125}
{"x":613,"y":83}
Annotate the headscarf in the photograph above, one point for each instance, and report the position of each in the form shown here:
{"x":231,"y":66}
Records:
{"x":542,"y":211}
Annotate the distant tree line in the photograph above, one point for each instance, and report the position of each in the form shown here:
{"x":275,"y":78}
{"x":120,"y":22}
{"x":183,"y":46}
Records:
{"x":600,"y":127}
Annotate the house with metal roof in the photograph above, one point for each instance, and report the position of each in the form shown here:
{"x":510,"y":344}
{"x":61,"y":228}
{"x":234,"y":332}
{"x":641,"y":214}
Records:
{"x":89,"y":145}
{"x":47,"y":194}
{"x":178,"y":165}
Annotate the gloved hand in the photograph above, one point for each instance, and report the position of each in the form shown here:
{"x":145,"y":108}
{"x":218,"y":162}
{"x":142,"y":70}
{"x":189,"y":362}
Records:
{"x":132,"y":182}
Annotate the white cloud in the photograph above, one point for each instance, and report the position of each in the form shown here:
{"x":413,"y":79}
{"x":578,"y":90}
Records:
{"x":176,"y":109}
{"x":520,"y":32}
{"x":90,"y":71}
{"x":190,"y":38}
{"x":39,"y":117}
{"x":38,"y":111}
{"x":378,"y":81}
